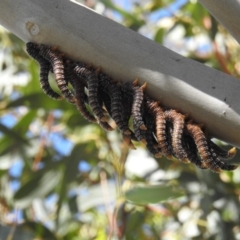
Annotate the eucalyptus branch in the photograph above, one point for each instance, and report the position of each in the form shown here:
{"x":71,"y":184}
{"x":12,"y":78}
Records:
{"x":227,"y":13}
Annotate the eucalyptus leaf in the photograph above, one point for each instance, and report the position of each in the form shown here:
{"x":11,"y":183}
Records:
{"x":39,"y":230}
{"x":159,"y":35}
{"x":38,"y":186}
{"x":10,"y":142}
{"x":144,"y":194}
{"x":12,"y":134}
{"x":94,"y":196}
{"x":19,"y":233}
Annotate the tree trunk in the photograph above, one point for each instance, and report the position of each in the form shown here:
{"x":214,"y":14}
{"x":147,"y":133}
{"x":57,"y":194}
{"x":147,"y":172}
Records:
{"x":209,"y":96}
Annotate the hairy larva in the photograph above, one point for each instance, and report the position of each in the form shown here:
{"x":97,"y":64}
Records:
{"x":126,"y":106}
{"x":192,"y":152}
{"x":78,"y":85}
{"x":217,"y":163}
{"x":56,"y":61}
{"x":209,"y":157}
{"x":33,"y":51}
{"x":221,"y":152}
{"x":105,"y":126}
{"x":140,"y":134}
{"x":202,"y":146}
{"x":137,"y":93}
{"x":152,"y":144}
{"x":93,"y":92}
{"x":106,"y":101}
{"x":113,"y":90}
{"x":160,"y":132}
{"x":178,"y":121}
{"x":126,"y":111}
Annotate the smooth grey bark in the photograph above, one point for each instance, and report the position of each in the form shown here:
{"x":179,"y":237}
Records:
{"x":209,"y":96}
{"x":227,"y":12}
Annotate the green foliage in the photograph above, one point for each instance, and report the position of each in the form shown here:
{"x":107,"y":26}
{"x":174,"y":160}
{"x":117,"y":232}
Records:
{"x":75,"y":182}
{"x":152,"y":194}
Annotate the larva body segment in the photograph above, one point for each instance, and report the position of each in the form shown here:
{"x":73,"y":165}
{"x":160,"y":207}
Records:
{"x":79,"y":85}
{"x":221,"y":153}
{"x":105,"y":126}
{"x":126,"y":106}
{"x":218,"y":163}
{"x":113,"y":90}
{"x":56,"y":61}
{"x":81,"y":96}
{"x":126,"y":110}
{"x":169,"y":133}
{"x":209,"y":157}
{"x":137,"y":105}
{"x":93,"y":91}
{"x":106,"y":101}
{"x":140,"y":134}
{"x":193,"y":152}
{"x":178,"y":121}
{"x":116,"y":97}
{"x":33,"y":50}
{"x":160,"y":132}
{"x":202,"y":146}
{"x":137,"y":93}
{"x":152,"y":144}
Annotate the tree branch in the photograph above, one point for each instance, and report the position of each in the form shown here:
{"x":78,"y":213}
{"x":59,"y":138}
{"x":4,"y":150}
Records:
{"x":227,"y":13}
{"x":211,"y":97}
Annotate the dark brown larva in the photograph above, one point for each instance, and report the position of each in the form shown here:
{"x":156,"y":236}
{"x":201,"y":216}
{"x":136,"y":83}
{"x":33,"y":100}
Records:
{"x":33,"y":51}
{"x":93,"y":91}
{"x":127,"y":106}
{"x":137,"y":93}
{"x":78,"y":85}
{"x":152,"y":144}
{"x":169,"y":133}
{"x":217,"y":163}
{"x":113,"y":90}
{"x":105,"y":126}
{"x":178,"y":121}
{"x":209,"y":157}
{"x":192,"y":152}
{"x":81,"y":96}
{"x":56,"y":61}
{"x":160,"y":121}
{"x":140,"y":134}
{"x":221,"y":152}
{"x":106,"y":101}
{"x":127,"y":110}
{"x":202,"y":146}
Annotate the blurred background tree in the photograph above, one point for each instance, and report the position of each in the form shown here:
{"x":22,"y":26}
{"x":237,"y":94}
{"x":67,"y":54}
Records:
{"x":63,"y":178}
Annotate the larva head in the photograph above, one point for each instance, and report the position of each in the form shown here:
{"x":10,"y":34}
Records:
{"x":143,"y":87}
{"x":135,"y":82}
{"x":232,"y":152}
{"x":44,"y":51}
